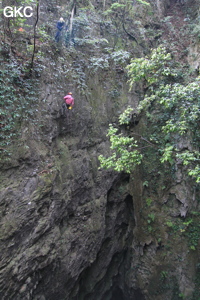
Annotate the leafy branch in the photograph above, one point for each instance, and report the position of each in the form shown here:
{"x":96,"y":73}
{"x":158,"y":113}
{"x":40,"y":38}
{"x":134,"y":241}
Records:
{"x":172,"y":109}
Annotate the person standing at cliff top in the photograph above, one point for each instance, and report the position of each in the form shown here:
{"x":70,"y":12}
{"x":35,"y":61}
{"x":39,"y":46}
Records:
{"x":60,"y":25}
{"x":69,"y":100}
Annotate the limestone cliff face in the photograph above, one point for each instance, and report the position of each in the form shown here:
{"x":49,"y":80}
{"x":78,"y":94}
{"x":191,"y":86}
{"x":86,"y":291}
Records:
{"x":69,"y":230}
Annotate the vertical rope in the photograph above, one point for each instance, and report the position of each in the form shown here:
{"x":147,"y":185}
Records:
{"x":34,"y":36}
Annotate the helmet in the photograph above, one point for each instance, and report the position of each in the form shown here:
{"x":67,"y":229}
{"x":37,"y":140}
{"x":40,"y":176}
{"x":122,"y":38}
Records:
{"x":70,"y":93}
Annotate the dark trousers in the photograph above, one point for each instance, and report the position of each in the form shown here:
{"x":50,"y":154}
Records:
{"x":57,"y":36}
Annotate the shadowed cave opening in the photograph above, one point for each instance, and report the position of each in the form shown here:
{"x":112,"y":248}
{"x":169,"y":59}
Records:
{"x":118,"y":294}
{"x":114,"y":261}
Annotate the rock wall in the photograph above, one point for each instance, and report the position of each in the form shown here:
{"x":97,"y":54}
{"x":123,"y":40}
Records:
{"x":71,"y":231}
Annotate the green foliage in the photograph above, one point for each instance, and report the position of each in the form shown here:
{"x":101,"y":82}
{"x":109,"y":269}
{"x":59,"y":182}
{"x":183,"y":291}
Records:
{"x":167,"y":154}
{"x":125,"y":154}
{"x":148,"y":202}
{"x":117,"y":7}
{"x":143,"y":2}
{"x":192,"y":232}
{"x":189,"y":159}
{"x":125,"y":117}
{"x":145,"y":183}
{"x":164,"y":275}
{"x":151,"y":69}
{"x":196,"y":30}
{"x":120,"y":56}
{"x":175,"y":105}
{"x":189,"y":228}
{"x":97,"y":63}
{"x":90,"y":41}
{"x":172,"y":108}
{"x":117,"y":18}
{"x":17,"y":100}
{"x":151,"y":218}
{"x":106,"y":61}
{"x":43,"y":36}
{"x":114,"y":7}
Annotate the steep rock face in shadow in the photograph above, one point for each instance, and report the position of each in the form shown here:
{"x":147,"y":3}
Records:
{"x":70,"y":231}
{"x":54,"y":212}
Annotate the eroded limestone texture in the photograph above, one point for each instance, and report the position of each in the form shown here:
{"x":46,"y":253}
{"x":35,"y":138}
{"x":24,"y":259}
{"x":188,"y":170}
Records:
{"x":70,"y":231}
